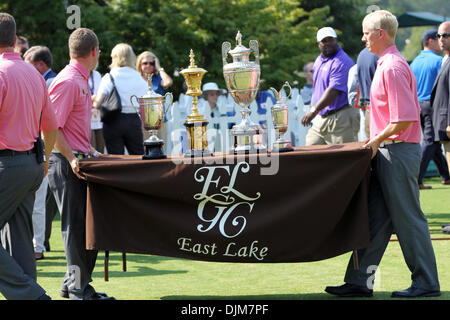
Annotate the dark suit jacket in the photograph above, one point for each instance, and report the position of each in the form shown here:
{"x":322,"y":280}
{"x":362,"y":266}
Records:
{"x":49,"y":77}
{"x":440,"y":102}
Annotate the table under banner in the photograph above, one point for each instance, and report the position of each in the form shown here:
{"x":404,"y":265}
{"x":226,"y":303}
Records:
{"x":305,"y":205}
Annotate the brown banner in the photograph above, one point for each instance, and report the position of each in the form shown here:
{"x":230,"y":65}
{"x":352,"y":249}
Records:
{"x":305,"y":205}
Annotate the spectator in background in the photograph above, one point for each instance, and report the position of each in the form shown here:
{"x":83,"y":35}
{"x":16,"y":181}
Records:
{"x":21,"y":45}
{"x":338,"y":121}
{"x":440,"y":99}
{"x":212,"y":111}
{"x":366,"y":67}
{"x":97,"y":140}
{"x":426,"y":67}
{"x":41,"y":58}
{"x":307,"y":90}
{"x":125,"y":130}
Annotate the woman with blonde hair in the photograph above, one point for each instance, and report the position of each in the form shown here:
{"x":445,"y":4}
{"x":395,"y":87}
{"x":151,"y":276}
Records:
{"x":126,"y":129}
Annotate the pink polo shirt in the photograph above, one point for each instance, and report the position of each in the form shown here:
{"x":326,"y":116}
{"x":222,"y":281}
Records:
{"x":23,"y":95}
{"x":71,"y":98}
{"x":393,"y":97}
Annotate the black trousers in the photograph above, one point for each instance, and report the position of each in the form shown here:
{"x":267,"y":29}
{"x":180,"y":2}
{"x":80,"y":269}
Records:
{"x":70,"y":196}
{"x":125,"y":131}
{"x":431,"y":150}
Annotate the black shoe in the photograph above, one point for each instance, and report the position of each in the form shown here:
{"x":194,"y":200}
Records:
{"x":65,"y":294}
{"x":44,"y":297}
{"x":350,"y":290}
{"x":412,"y":292}
{"x":97,"y":296}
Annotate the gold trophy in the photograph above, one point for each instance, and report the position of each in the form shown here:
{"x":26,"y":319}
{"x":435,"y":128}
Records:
{"x":280,"y":113}
{"x":151,"y":112}
{"x":196,"y":124}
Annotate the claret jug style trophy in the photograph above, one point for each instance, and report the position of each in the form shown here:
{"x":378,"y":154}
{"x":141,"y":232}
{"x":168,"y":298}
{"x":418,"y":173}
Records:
{"x":280,"y":119}
{"x":242,"y":79}
{"x":196,"y":124}
{"x":151,"y":112}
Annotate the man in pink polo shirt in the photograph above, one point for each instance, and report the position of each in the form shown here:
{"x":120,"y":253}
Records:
{"x":71,"y":99}
{"x":24,"y":102}
{"x":394,"y":192}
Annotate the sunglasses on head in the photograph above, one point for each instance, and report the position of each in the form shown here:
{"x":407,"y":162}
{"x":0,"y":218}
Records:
{"x":444,"y":35}
{"x":152,"y":63}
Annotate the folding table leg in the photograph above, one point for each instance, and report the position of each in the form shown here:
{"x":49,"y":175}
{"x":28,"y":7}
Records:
{"x":106,"y":265}
{"x":124,"y":262}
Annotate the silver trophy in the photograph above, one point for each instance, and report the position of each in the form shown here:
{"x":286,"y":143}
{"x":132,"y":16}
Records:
{"x":151,"y":112}
{"x":242,"y":79}
{"x":280,"y":119}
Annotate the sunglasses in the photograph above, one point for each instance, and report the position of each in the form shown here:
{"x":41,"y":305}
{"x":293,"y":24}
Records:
{"x":443,"y":35}
{"x":152,"y":63}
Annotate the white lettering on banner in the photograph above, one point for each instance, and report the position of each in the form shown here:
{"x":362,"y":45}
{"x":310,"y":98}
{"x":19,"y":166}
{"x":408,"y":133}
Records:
{"x":225,"y":202}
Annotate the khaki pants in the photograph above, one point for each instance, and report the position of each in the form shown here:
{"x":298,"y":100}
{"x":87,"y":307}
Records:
{"x":447,"y":151}
{"x":341,"y":127}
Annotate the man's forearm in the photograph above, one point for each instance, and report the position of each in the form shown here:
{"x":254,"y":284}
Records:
{"x":62,"y":146}
{"x":392,"y":129}
{"x":49,"y":141}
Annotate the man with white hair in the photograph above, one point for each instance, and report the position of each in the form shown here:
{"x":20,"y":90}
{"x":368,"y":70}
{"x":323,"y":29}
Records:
{"x":393,"y":193}
{"x":338,"y":122}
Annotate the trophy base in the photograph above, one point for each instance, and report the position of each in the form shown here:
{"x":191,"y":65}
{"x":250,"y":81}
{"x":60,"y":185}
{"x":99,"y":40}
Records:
{"x":198,"y":154}
{"x":153,"y":150}
{"x":247,"y":141}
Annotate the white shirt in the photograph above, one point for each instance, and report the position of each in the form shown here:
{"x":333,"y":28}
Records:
{"x":94,"y":82}
{"x":128,"y":83}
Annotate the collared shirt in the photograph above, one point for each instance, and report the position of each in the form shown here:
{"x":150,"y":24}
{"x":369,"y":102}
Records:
{"x":23,"y":96}
{"x":332,"y":72}
{"x":393,"y":97}
{"x":71,"y":98}
{"x":426,"y":67}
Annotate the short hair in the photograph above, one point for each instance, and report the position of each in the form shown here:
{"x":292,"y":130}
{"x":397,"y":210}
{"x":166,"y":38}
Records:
{"x":122,"y":56}
{"x":382,"y":19}
{"x":141,"y":57}
{"x":7,"y":30}
{"x":39,"y":53}
{"x":81,"y":42}
{"x":305,"y":67}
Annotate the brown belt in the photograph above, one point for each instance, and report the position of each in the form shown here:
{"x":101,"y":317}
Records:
{"x":388,"y":142}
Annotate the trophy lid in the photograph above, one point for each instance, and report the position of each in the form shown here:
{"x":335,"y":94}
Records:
{"x":150,"y":93}
{"x":239,"y":50}
{"x":192,"y":67}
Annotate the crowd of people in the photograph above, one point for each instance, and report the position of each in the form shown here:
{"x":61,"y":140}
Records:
{"x":397,"y":103}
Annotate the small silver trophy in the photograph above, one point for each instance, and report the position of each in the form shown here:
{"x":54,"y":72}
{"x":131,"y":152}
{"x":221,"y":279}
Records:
{"x":280,"y":119}
{"x":151,"y":112}
{"x":242,"y":79}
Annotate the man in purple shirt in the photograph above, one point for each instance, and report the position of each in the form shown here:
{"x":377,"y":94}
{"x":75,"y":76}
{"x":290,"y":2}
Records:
{"x":338,"y":121}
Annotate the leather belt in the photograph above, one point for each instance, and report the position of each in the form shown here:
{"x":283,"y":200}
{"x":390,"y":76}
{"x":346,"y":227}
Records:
{"x":389,"y":142}
{"x":331,"y":112}
{"x":12,"y":153}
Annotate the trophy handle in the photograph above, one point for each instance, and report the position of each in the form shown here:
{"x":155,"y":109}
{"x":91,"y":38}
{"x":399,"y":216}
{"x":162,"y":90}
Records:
{"x":168,"y":94}
{"x":131,"y":100}
{"x":276,"y":94}
{"x":226,"y":47}
{"x":253,"y":44}
{"x":286,"y":84}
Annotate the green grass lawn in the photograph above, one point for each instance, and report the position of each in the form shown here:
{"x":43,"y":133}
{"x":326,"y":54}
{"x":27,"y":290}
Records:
{"x":165,"y":278}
